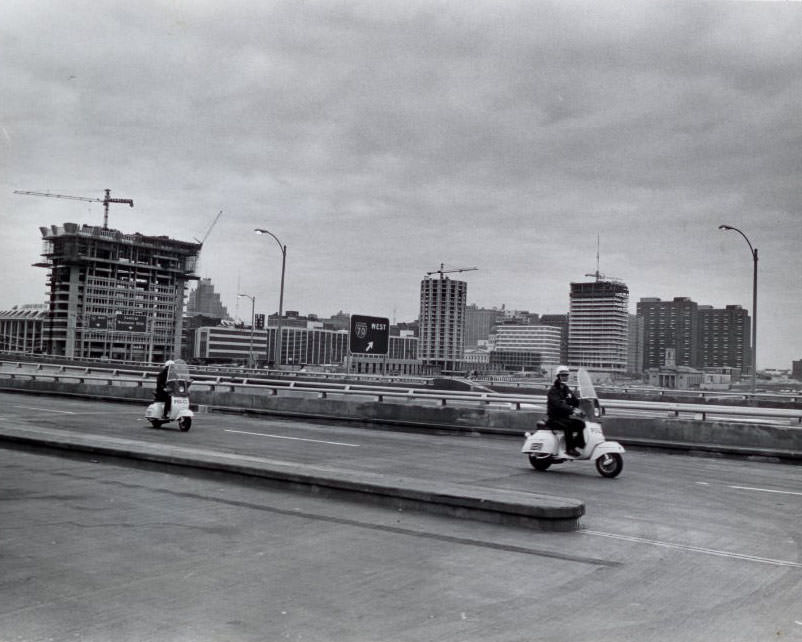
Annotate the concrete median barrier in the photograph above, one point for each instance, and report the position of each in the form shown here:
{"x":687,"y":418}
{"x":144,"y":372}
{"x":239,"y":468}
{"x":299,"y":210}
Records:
{"x":499,"y":506}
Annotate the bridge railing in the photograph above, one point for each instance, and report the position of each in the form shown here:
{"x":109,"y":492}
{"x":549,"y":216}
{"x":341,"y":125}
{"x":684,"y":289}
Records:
{"x":329,"y":389}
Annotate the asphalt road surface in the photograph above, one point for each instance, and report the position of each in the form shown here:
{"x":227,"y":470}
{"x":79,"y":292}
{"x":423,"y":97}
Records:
{"x":676,"y":548}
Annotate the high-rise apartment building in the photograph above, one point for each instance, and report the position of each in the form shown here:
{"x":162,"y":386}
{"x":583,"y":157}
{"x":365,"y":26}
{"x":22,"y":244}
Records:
{"x":669,"y":325}
{"x":724,"y":337}
{"x":442,"y":322}
{"x":597,"y":325}
{"x":697,"y":336}
{"x":115,"y":295}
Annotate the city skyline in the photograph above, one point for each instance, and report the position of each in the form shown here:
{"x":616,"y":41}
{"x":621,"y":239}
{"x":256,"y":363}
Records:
{"x":379,"y":142}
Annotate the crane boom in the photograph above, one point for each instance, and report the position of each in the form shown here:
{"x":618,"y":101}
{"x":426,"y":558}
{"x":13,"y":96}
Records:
{"x":211,"y":227}
{"x":105,"y":200}
{"x":443,"y":271}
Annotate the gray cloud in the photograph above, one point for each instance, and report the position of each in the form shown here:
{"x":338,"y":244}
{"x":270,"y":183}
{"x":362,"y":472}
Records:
{"x":380,"y":139}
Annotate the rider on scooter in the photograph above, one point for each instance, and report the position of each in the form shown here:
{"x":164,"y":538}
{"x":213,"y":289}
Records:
{"x":561,"y":406}
{"x":162,"y":393}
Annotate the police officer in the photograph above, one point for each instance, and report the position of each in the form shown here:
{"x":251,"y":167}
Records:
{"x":561,"y":406}
{"x":162,"y":393}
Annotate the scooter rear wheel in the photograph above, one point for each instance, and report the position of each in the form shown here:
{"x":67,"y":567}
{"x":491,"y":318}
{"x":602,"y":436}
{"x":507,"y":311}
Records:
{"x":610,"y":465}
{"x":540,"y":463}
{"x":184,"y":423}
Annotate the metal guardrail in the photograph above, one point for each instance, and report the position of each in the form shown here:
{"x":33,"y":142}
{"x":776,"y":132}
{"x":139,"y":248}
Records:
{"x":326,"y":389}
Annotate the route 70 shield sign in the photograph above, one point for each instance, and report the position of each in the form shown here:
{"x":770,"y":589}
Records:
{"x":369,"y":335}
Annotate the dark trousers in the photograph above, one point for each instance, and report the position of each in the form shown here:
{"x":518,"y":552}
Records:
{"x":573,"y":431}
{"x":163,"y":395}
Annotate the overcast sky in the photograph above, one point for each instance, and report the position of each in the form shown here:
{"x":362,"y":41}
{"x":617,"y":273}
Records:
{"x":380,"y":139}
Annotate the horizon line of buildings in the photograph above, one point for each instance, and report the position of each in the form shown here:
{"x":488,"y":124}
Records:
{"x":121,"y":296}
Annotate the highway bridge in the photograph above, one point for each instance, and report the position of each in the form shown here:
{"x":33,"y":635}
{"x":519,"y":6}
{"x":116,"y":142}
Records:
{"x":98,"y":547}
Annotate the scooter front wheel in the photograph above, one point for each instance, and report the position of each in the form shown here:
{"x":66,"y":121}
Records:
{"x":184,"y":423}
{"x":610,"y":465}
{"x":540,"y":462}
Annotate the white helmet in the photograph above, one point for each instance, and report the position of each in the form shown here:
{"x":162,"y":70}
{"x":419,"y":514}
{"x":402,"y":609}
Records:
{"x":169,"y":362}
{"x":561,"y":370}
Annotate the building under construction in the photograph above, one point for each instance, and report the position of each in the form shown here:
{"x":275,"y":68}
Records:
{"x":114,"y":295}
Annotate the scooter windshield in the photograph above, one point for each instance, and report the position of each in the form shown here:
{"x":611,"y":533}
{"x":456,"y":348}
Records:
{"x":589,"y":402}
{"x":585,"y":385}
{"x":178,"y":371}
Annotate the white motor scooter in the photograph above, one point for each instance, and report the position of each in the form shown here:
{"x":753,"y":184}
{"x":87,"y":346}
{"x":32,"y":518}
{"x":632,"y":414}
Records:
{"x":178,"y":382}
{"x":546,"y":446}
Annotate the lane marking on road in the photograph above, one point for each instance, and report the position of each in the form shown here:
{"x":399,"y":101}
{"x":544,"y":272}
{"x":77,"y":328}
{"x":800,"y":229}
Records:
{"x":694,"y":549}
{"x":767,"y":490}
{"x":63,"y":412}
{"x":757,"y":490}
{"x":317,"y":441}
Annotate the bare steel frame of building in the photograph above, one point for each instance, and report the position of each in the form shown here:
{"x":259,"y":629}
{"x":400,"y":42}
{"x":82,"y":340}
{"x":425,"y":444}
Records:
{"x":115,"y":295}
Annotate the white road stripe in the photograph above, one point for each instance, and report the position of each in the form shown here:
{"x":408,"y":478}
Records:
{"x":767,"y":490}
{"x":694,"y":549}
{"x":63,"y":412}
{"x":317,"y":441}
{"x":757,"y":490}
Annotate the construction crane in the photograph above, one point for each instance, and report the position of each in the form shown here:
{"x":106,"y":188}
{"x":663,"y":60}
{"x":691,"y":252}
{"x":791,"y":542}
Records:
{"x":205,"y":236}
{"x":442,"y":271}
{"x":598,"y":275}
{"x":105,"y":200}
{"x":209,"y":231}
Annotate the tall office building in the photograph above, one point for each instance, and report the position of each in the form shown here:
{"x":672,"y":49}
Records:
{"x":478,"y":324}
{"x":559,"y":321}
{"x":442,"y":322}
{"x":115,"y":295}
{"x":669,"y":326}
{"x":724,"y":337}
{"x":597,"y":325}
{"x":205,"y":301}
{"x":635,"y":347}
{"x":526,"y":347}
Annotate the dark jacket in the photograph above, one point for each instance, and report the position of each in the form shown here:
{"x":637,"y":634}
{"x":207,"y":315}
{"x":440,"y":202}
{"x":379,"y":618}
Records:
{"x":561,"y":401}
{"x":161,"y":385}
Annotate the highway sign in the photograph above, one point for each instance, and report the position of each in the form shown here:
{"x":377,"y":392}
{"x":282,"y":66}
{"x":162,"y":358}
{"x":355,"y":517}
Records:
{"x":98,"y":321}
{"x":131,"y":323}
{"x":369,"y":335}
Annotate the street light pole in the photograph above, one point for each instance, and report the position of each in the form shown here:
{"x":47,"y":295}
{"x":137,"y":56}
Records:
{"x":253,"y":306}
{"x":283,"y":248}
{"x":753,"y":251}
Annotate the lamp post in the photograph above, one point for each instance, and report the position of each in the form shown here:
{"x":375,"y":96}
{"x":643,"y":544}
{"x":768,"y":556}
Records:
{"x":253,"y":305}
{"x":283,"y":248}
{"x":753,"y":251}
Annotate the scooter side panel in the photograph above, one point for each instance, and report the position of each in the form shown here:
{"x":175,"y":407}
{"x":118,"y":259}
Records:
{"x":155,"y":410}
{"x":540,"y":441}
